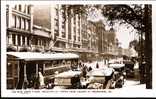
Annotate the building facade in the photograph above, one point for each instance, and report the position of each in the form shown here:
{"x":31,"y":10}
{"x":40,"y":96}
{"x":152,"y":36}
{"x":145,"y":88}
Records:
{"x":19,"y":27}
{"x":59,"y":29}
{"x":24,"y":36}
{"x":19,"y":20}
{"x":65,"y":29}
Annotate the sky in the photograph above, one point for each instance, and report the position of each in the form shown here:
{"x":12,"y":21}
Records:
{"x":124,"y":34}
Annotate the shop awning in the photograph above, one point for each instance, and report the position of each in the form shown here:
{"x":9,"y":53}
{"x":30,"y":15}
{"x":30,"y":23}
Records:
{"x":32,"y":56}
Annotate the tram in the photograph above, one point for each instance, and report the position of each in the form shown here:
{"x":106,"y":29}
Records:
{"x":35,"y":66}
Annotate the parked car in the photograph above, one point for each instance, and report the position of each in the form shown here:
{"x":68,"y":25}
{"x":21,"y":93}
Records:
{"x":67,"y":80}
{"x":99,"y":78}
{"x":129,"y":67}
{"x":119,"y":76}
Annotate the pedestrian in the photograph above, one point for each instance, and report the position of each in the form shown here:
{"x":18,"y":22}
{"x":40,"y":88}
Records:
{"x":97,"y":65}
{"x":90,"y":68}
{"x":84,"y":72}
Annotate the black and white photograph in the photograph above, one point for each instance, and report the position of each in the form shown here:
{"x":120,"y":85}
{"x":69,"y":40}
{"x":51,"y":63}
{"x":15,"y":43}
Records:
{"x":78,"y":48}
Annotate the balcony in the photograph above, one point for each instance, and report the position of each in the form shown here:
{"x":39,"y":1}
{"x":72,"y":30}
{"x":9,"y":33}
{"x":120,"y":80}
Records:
{"x":11,"y":47}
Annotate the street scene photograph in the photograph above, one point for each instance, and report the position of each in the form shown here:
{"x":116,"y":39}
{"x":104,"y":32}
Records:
{"x":78,"y":46}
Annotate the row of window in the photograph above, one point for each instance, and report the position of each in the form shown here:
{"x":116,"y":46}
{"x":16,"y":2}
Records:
{"x":23,"y":8}
{"x":18,"y":40}
{"x":20,"y":23}
{"x":56,"y":21}
{"x":40,"y":42}
{"x":22,"y":40}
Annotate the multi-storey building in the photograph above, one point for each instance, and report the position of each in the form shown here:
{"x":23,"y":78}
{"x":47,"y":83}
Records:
{"x":23,"y":36}
{"x":59,"y":29}
{"x":19,"y":27}
{"x":92,"y":37}
{"x":19,"y":20}
{"x":65,"y":29}
{"x":107,"y":45}
{"x":100,"y":30}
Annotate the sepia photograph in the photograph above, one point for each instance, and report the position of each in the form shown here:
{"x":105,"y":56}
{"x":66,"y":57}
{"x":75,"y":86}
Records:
{"x":77,"y":49}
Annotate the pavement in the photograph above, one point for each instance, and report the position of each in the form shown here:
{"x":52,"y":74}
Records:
{"x":133,"y":88}
{"x":133,"y":84}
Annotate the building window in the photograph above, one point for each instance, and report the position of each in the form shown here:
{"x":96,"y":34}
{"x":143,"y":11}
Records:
{"x":78,"y":38}
{"x":15,"y":7}
{"x":56,"y":23}
{"x":13,"y":39}
{"x":56,"y":9}
{"x":36,"y":41}
{"x":75,"y":37}
{"x":23,"y":40}
{"x":25,"y":8}
{"x":29,"y":8}
{"x":63,"y":34}
{"x":18,"y":22}
{"x":43,"y":42}
{"x":27,"y":24}
{"x":28,"y":41}
{"x":22,"y":23}
{"x":19,"y":40}
{"x":74,"y":20}
{"x":20,"y":7}
{"x":40,"y":40}
{"x":13,"y":21}
{"x":69,"y":28}
{"x":7,"y":17}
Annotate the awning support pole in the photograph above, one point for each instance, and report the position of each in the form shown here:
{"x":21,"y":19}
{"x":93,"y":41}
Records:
{"x":25,"y":83}
{"x":36,"y":70}
{"x":43,"y":67}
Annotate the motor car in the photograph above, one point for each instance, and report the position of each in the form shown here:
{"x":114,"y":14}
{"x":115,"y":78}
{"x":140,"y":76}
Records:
{"x":119,"y":76}
{"x":99,"y":79}
{"x":67,"y":80}
{"x":129,"y":68}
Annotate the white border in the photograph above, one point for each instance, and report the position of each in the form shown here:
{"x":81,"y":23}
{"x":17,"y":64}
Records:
{"x":73,"y":93}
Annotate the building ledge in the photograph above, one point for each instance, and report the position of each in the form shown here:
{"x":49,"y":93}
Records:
{"x":19,"y":30}
{"x":19,"y":13}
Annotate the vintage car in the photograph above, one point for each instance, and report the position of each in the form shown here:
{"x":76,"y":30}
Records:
{"x":67,"y":80}
{"x":98,"y":79}
{"x":119,"y":76}
{"x":129,"y":67}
